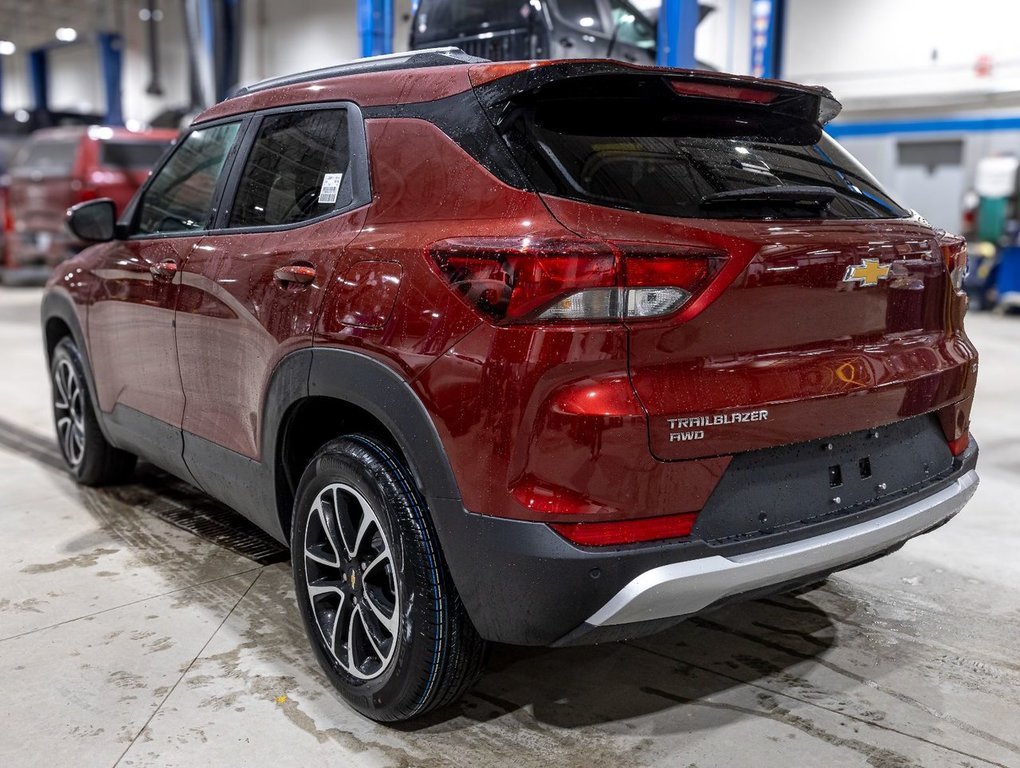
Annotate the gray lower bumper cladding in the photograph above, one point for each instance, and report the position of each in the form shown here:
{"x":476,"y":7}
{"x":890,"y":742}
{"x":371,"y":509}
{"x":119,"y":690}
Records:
{"x":684,"y":588}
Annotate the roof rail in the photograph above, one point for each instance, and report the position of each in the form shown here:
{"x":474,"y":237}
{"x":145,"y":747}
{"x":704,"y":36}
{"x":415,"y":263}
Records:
{"x":426,"y":57}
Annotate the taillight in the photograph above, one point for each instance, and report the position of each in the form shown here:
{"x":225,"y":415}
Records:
{"x":524,"y":279}
{"x":604,"y":534}
{"x":954,"y":254}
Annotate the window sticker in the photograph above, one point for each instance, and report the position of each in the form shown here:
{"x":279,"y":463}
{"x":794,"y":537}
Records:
{"x":330,"y":187}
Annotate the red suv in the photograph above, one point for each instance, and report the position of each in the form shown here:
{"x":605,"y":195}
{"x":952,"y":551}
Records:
{"x":537,"y":352}
{"x":58,"y":167}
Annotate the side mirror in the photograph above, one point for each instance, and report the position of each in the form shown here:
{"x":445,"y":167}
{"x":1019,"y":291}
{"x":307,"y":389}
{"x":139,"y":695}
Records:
{"x":94,"y":221}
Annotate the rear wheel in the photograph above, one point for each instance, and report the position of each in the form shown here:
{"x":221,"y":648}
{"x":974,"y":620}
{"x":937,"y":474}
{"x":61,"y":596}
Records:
{"x":380,"y":610}
{"x":87,"y":455}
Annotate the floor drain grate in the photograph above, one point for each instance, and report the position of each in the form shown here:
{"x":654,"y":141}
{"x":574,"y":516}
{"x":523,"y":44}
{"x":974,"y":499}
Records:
{"x":185,"y":507}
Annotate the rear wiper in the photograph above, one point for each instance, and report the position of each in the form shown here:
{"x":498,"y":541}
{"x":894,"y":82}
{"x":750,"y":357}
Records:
{"x":802,"y":196}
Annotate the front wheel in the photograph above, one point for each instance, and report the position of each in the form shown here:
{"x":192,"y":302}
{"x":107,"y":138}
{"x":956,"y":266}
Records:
{"x":381,"y":612}
{"x":89,"y":458}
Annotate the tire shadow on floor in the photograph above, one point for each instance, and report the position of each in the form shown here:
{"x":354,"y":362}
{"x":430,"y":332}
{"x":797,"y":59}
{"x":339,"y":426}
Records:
{"x":735,"y":646}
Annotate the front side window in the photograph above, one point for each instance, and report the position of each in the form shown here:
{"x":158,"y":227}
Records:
{"x":180,"y":197}
{"x":297,"y":170}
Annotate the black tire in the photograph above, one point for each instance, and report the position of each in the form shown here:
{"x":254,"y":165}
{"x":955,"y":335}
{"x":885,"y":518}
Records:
{"x":410,"y":646}
{"x":88,"y":457}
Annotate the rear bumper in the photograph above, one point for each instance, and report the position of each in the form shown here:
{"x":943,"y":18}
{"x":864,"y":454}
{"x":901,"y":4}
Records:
{"x":523,"y":584}
{"x":692,"y":586}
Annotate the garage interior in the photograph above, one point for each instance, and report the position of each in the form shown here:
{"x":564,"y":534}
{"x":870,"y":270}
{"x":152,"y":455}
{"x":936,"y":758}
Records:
{"x":148,"y":625}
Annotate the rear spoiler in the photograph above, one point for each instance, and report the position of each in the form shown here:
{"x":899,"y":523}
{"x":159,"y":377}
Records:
{"x":498,"y":83}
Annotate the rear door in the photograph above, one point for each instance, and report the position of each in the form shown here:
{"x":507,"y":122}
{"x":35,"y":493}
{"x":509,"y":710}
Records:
{"x":251,"y":291}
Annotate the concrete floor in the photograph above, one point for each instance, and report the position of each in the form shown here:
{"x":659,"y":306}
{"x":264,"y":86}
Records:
{"x":126,"y":641}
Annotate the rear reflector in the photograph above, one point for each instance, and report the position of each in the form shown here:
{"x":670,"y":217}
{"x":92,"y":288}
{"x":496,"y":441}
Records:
{"x":524,"y":279}
{"x":959,"y":445}
{"x":627,"y":531}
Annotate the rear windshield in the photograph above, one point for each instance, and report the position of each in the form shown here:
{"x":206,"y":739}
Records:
{"x":46,"y":158}
{"x":648,"y":149}
{"x":446,"y":19}
{"x":131,"y":155}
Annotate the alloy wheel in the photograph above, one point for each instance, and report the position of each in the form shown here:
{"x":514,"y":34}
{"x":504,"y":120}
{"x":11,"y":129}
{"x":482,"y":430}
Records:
{"x":68,"y":402}
{"x":351,"y":581}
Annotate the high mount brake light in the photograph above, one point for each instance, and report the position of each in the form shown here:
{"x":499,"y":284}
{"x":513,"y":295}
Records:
{"x":720,"y":91}
{"x":954,"y":254}
{"x":523,"y":279}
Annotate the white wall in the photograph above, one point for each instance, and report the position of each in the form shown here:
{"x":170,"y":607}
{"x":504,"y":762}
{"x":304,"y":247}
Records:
{"x":880,"y":54}
{"x":284,"y":36}
{"x":15,"y":84}
{"x":138,"y":105}
{"x":724,"y":37}
{"x":76,"y":80}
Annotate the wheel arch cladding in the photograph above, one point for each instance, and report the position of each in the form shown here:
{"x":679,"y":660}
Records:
{"x":324,"y":392}
{"x":59,"y":319}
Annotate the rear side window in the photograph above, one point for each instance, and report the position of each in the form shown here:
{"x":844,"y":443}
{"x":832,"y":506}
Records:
{"x":46,"y":158}
{"x":635,"y":144}
{"x":296,"y":171}
{"x":180,"y":196}
{"x":131,"y":155}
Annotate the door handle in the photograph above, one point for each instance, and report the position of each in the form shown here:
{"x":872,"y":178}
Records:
{"x":164,"y":270}
{"x":301,"y":274}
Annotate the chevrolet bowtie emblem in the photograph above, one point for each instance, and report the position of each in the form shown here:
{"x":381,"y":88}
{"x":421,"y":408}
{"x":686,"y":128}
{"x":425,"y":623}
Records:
{"x":867,"y":273}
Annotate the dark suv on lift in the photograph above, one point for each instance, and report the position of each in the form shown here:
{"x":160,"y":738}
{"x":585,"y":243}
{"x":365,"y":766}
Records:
{"x":505,"y":30}
{"x":540,"y":353}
